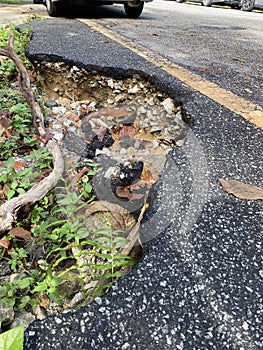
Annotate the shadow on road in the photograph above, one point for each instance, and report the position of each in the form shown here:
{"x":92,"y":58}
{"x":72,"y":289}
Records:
{"x":100,"y":11}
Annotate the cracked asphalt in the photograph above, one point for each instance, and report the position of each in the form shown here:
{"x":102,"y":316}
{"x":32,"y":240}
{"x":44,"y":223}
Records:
{"x":199,"y":285}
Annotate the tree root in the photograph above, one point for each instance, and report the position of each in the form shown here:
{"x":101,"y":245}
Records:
{"x":9,"y":210}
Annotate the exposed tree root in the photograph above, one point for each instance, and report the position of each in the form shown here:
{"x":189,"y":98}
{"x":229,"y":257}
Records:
{"x":9,"y":210}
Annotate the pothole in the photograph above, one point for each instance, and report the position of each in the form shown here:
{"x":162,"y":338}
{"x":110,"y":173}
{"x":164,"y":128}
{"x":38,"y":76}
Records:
{"x":127,"y":127}
{"x":95,"y":116}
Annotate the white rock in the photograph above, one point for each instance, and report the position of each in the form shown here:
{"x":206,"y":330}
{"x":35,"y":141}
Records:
{"x":77,"y":299}
{"x":58,"y":136}
{"x":133,"y":90}
{"x":110,"y":83}
{"x":168,"y":105}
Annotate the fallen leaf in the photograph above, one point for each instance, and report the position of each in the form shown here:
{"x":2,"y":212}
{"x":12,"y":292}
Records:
{"x":4,"y":242}
{"x":113,"y":112}
{"x":148,"y":177}
{"x":20,"y":232}
{"x":129,"y":192}
{"x":242,"y":190}
{"x":18,"y":164}
{"x":119,"y":217}
{"x":128,"y":130}
{"x":125,"y":192}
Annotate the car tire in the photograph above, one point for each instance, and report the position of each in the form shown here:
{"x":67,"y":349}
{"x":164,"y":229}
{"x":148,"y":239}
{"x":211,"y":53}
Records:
{"x":54,"y":9}
{"x":207,"y":3}
{"x":133,"y":9}
{"x":248,"y":5}
{"x":38,"y":2}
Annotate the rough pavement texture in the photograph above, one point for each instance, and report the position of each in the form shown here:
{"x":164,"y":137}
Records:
{"x":199,"y":285}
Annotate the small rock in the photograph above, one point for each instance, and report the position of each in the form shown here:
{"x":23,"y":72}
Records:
{"x":6,"y":315}
{"x":64,"y":101}
{"x":39,"y":312}
{"x":74,"y":143}
{"x":23,"y":317}
{"x":76,"y":300}
{"x":133,"y":90}
{"x":168,"y":105}
{"x":51,"y":103}
{"x":58,"y":136}
{"x":59,"y":110}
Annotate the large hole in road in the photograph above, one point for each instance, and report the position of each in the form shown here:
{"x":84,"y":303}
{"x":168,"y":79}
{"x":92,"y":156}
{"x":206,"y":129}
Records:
{"x":125,"y":126}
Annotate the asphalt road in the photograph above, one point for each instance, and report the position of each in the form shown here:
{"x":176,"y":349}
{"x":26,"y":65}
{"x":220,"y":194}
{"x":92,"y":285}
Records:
{"x":199,"y":285}
{"x":220,"y":44}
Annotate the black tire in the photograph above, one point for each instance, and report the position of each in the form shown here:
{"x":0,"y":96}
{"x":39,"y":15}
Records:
{"x":55,"y":9}
{"x":248,"y":5}
{"x":38,"y":2}
{"x":207,"y":3}
{"x":133,"y":9}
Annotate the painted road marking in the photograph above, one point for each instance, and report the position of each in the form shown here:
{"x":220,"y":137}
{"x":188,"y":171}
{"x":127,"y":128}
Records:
{"x":248,"y":110}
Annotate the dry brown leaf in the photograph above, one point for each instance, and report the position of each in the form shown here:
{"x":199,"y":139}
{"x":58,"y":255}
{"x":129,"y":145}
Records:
{"x":4,"y":242}
{"x":18,"y":164}
{"x":126,"y":192}
{"x":119,"y":217}
{"x":148,"y":177}
{"x":20,"y":232}
{"x":113,"y":112}
{"x":128,"y":130}
{"x":242,"y":190}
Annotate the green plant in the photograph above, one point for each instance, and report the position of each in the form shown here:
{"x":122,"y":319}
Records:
{"x":12,"y":339}
{"x":18,"y":181}
{"x":19,"y":133}
{"x":17,"y":293}
{"x":8,"y":70}
{"x":17,"y":258}
{"x":74,"y":259}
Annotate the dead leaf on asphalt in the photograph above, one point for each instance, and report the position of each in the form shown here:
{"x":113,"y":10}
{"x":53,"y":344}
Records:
{"x":242,"y":190}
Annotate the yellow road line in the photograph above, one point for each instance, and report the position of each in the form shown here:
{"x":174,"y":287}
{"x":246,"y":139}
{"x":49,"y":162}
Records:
{"x":250,"y":111}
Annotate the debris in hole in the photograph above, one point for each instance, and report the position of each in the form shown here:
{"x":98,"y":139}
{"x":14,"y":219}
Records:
{"x":127,"y":120}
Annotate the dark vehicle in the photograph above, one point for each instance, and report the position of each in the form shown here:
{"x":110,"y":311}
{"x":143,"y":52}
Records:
{"x":249,"y":5}
{"x":56,"y":8}
{"x":231,"y":3}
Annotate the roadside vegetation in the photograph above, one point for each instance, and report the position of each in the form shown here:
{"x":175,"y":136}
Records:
{"x":49,"y":251}
{"x":15,"y":2}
